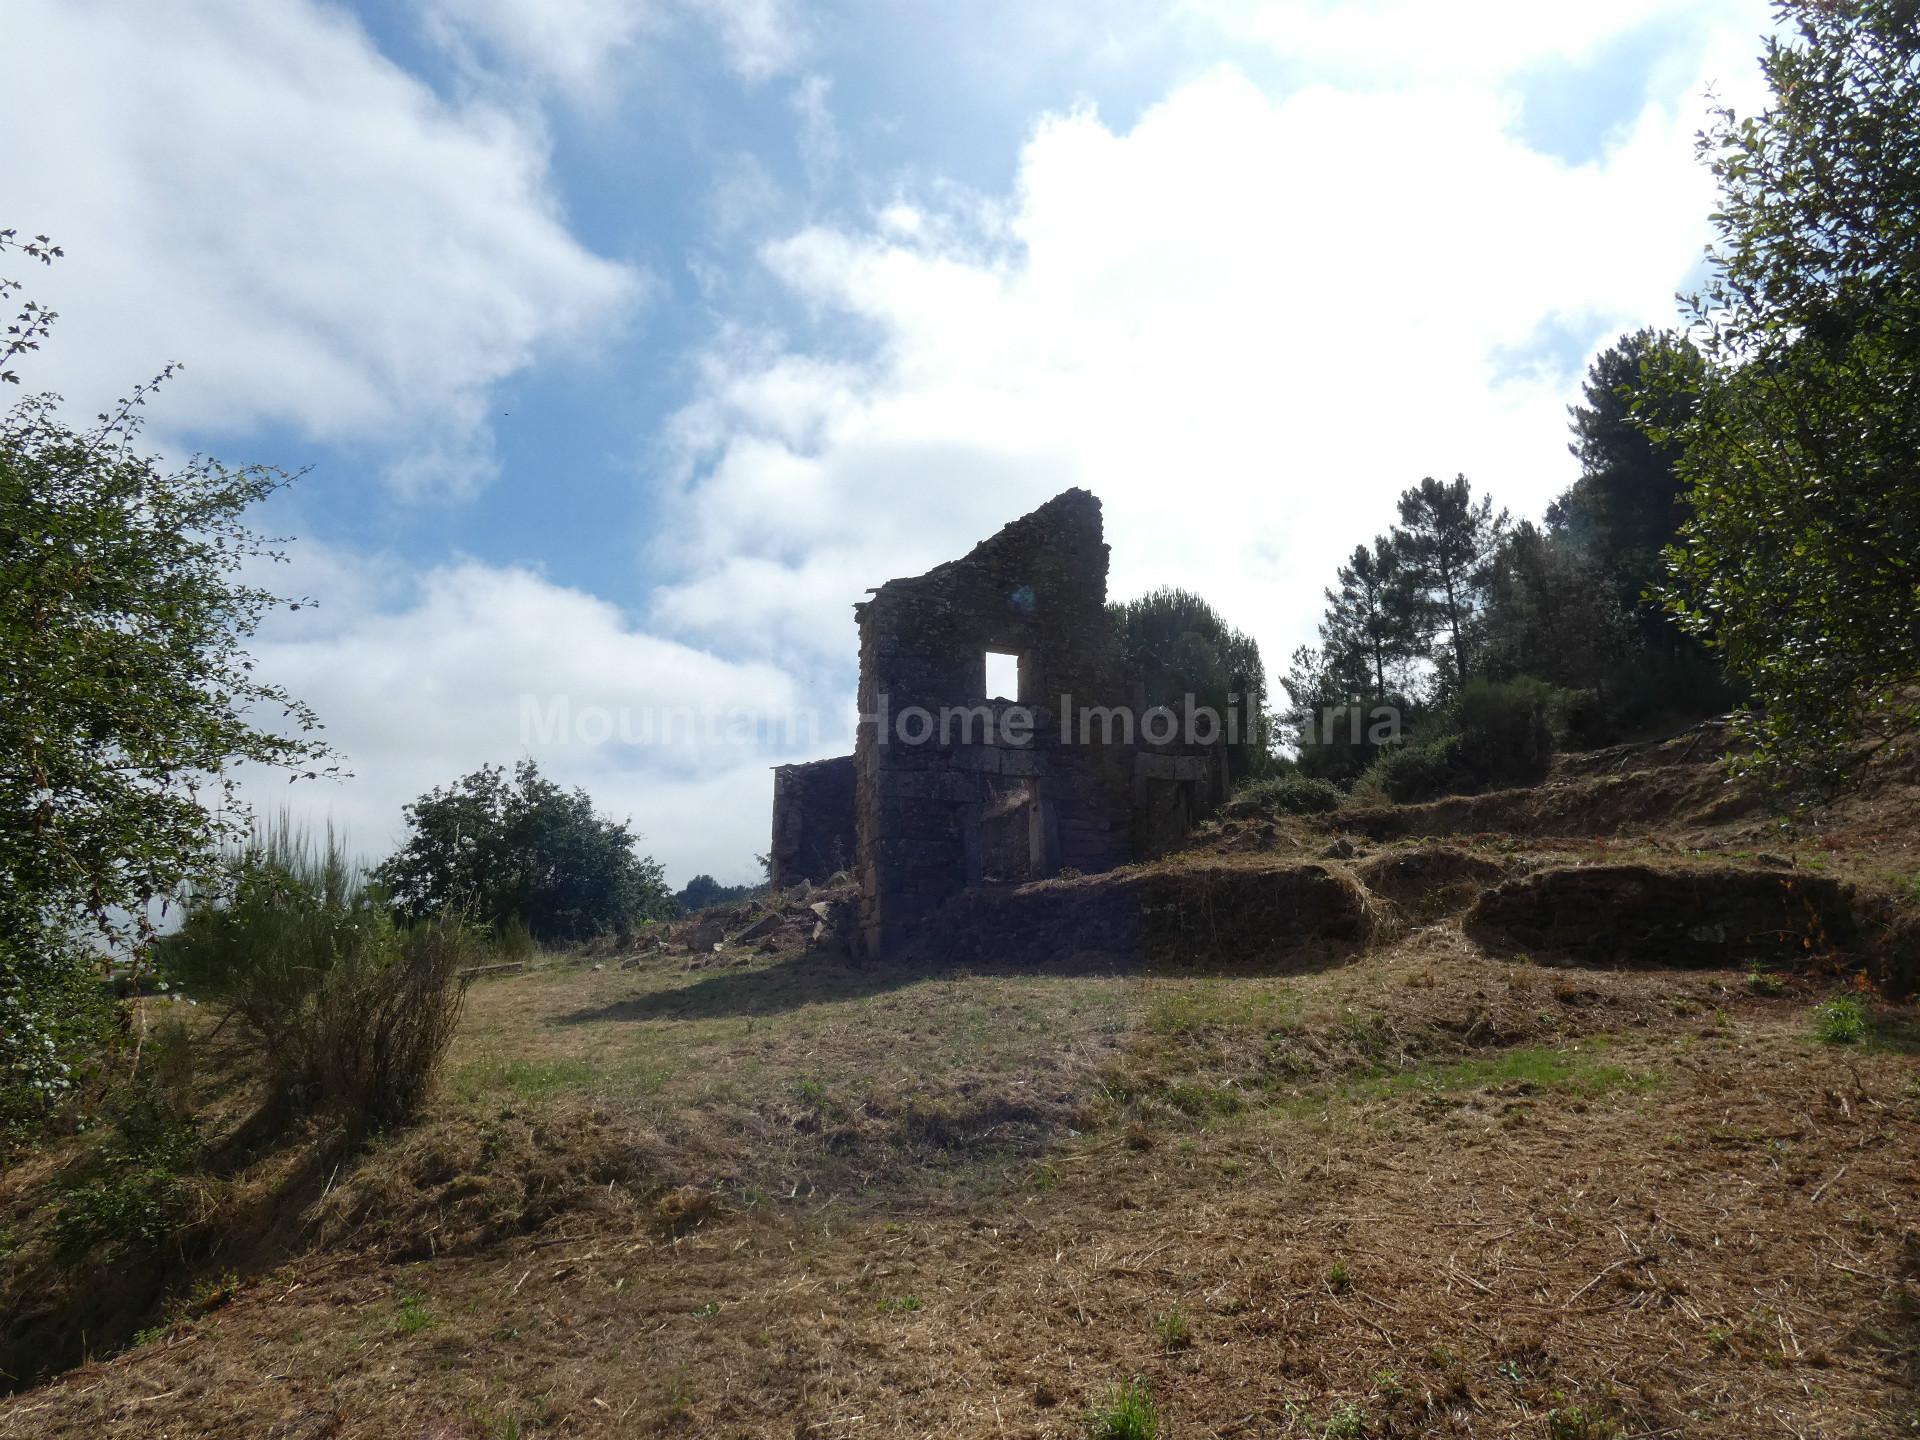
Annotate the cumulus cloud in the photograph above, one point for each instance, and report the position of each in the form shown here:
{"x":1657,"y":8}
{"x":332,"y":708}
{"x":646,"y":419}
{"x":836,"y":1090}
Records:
{"x":420,"y":680}
{"x":1246,"y":322}
{"x":253,"y":189}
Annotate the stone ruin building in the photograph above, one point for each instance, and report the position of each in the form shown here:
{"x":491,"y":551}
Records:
{"x":1087,"y":764}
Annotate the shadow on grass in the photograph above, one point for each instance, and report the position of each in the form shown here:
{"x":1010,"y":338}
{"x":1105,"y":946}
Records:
{"x":1898,"y":1034}
{"x":827,"y":977}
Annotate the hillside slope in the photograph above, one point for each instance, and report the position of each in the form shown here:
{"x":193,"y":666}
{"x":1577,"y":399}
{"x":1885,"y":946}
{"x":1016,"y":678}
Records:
{"x":1429,"y":1121}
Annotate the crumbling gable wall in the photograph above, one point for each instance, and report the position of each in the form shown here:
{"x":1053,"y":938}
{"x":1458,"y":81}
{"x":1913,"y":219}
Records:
{"x":814,"y":836}
{"x":927,"y":811}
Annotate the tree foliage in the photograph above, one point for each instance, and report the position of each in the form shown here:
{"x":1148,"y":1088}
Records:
{"x":1616,"y":520}
{"x":1448,"y":542}
{"x":703,"y":890}
{"x":523,"y":850}
{"x":1371,"y":632}
{"x":1180,"y":632}
{"x":1801,"y":562}
{"x":1402,"y":630}
{"x":124,"y":612}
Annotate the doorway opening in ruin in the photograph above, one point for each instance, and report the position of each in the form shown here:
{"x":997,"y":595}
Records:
{"x":1166,"y":817}
{"x":1006,"y":830}
{"x":1002,"y":676}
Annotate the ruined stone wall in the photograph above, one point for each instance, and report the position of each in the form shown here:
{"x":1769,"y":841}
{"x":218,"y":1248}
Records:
{"x":814,"y":834}
{"x":1037,"y":589}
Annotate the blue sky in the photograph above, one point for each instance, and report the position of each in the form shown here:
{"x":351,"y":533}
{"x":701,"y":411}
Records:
{"x":625,"y":345}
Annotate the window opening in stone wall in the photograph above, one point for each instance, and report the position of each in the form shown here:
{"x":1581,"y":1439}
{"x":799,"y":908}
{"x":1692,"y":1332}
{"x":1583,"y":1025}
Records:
{"x":1003,"y":676}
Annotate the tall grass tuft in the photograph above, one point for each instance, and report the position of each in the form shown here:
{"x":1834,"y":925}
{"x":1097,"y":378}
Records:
{"x":1128,"y":1414}
{"x":352,"y":1012}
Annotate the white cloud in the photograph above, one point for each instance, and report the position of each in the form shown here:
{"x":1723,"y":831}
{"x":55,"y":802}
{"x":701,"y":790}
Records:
{"x":819,"y":137}
{"x":255,"y":190}
{"x":1246,"y":323}
{"x":1484,"y":41}
{"x":762,"y":38}
{"x":421,"y":681}
{"x":585,"y":47}
{"x":573,"y":44}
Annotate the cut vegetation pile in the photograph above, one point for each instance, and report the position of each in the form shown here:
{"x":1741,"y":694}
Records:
{"x":1266,"y":915}
{"x":1431,"y":880}
{"x":1626,"y":790}
{"x":1691,"y":916}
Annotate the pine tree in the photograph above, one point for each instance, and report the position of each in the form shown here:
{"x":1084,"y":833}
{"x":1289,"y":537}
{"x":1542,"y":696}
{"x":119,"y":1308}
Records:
{"x":1629,"y":500}
{"x":1448,"y":544}
{"x":1371,"y":622}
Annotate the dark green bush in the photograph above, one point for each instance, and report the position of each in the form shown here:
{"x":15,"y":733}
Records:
{"x":1288,"y":795}
{"x":521,"y":850}
{"x":54,"y":1017}
{"x":1408,"y":774}
{"x":1498,"y":733}
{"x":1649,"y":694}
{"x":1505,"y":730}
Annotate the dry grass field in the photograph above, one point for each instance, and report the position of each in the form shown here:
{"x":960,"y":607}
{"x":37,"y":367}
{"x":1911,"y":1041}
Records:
{"x":1415,"y":1183}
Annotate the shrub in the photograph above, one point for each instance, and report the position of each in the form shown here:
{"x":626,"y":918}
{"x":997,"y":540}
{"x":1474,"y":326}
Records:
{"x":1841,"y":1022}
{"x":1497,"y":733}
{"x":1411,"y":773}
{"x":523,"y":850}
{"x":352,"y":1011}
{"x":1647,"y":692}
{"x":1289,"y":795}
{"x":53,"y":1014}
{"x":133,"y":1193}
{"x":1504,"y":729}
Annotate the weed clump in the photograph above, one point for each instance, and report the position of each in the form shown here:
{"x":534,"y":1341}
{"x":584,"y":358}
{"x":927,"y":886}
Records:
{"x":1174,"y":1330}
{"x":1129,"y":1414}
{"x":1841,"y":1022}
{"x":1577,"y":1422}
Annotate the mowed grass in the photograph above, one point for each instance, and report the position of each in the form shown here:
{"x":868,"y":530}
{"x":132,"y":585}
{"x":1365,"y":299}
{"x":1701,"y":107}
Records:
{"x":790,"y":1069}
{"x":663,"y":1033}
{"x":765,"y":1073}
{"x":1581,"y":1071}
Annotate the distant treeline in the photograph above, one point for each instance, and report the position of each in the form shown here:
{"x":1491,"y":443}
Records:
{"x":1458,"y":614}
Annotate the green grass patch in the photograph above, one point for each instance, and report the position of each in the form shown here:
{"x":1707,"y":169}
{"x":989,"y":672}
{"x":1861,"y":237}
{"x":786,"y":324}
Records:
{"x":1201,"y":1101}
{"x":1128,"y":1414}
{"x":1186,"y":1009}
{"x":1174,"y":1330}
{"x":1563,"y":1072}
{"x":414,"y":1315}
{"x":1840,"y":1022}
{"x":528,"y":1079}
